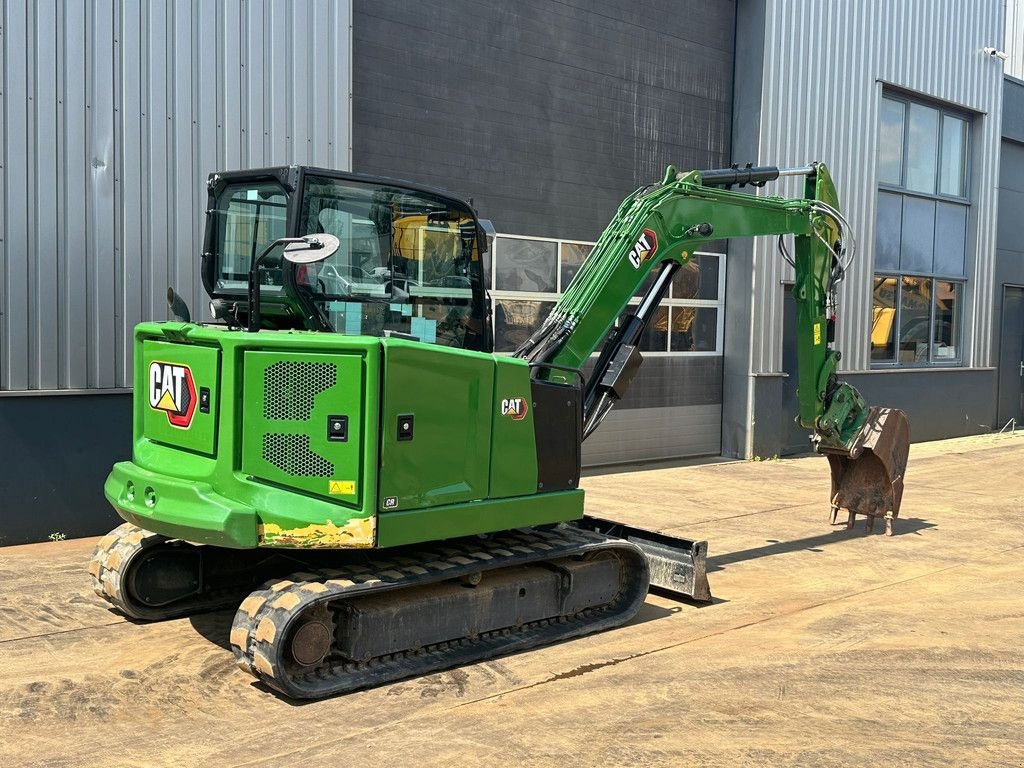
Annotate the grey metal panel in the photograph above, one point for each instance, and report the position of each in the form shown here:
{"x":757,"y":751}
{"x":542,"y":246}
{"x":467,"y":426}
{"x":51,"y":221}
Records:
{"x":1013,"y":109}
{"x":1014,"y":38}
{"x":823,"y":70}
{"x":1010,"y":237}
{"x":546,"y":114}
{"x":113,"y":115}
{"x":644,"y":434}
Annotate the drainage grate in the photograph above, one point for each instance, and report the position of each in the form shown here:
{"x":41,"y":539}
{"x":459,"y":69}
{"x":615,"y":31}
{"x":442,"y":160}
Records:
{"x":290,"y":389}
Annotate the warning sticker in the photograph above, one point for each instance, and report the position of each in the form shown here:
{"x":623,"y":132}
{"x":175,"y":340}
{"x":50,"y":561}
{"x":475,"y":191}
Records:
{"x":342,"y":487}
{"x":817,"y":334}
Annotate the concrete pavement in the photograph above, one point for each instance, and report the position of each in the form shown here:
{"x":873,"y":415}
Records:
{"x":824,"y":647}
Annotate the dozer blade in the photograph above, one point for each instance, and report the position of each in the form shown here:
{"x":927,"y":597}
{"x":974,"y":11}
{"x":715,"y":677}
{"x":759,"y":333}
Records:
{"x":677,"y":565}
{"x":868,"y":479}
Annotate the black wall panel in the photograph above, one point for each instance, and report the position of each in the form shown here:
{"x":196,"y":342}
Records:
{"x":545,"y":113}
{"x":56,"y":452}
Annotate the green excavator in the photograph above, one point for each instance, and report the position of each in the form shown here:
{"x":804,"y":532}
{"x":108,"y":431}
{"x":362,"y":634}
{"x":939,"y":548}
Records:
{"x":343,"y":457}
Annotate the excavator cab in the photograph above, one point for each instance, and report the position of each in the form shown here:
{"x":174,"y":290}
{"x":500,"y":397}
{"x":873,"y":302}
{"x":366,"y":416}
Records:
{"x":409,"y":261}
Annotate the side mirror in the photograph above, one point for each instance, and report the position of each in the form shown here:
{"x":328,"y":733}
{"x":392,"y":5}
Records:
{"x":310,"y":249}
{"x":307,"y":249}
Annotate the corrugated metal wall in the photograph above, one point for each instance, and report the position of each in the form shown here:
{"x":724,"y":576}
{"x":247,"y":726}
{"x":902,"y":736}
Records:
{"x":113,"y":114}
{"x":825,"y":64}
{"x":1014,"y":45}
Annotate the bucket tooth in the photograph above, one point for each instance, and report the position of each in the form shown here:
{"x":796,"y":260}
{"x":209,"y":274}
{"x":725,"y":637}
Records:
{"x":868,"y":478}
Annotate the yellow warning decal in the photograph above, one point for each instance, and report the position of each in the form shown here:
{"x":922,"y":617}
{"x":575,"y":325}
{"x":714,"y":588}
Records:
{"x":343,"y":487}
{"x":817,"y":336}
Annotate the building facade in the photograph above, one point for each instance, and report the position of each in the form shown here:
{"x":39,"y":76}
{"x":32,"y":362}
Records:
{"x":546,"y":116}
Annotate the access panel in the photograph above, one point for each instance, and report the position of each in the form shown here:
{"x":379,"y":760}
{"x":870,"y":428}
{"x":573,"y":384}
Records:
{"x":302,"y":422}
{"x":435,"y":425}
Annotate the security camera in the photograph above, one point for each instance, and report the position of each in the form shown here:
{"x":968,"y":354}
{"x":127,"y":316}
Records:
{"x":996,"y":54}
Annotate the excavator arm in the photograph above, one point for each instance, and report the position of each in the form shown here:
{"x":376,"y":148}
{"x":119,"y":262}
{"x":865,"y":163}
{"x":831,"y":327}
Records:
{"x":657,"y":229}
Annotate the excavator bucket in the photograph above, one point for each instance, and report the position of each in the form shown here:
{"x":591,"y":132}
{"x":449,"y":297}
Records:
{"x":868,"y":479}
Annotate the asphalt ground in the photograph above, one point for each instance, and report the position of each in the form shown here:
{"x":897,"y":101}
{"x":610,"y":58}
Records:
{"x":823,"y":647}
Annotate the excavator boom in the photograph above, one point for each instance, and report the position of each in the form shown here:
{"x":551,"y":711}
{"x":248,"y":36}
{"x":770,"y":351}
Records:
{"x":657,"y":229}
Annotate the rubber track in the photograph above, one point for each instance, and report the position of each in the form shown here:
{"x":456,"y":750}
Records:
{"x":114,"y":557}
{"x":262,"y":626}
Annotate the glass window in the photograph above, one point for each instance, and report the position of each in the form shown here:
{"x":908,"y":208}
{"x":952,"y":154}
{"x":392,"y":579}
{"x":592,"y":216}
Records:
{"x":655,"y":335}
{"x":883,"y":319}
{"x":515,"y":320}
{"x":647,"y":283}
{"x":917,"y":239}
{"x":950,"y":238}
{"x":946,"y":337}
{"x":250,"y":216}
{"x":573,"y":255}
{"x":677,"y":326}
{"x":697,"y":279}
{"x":920,"y":234}
{"x":922,"y":144}
{"x":890,"y":142}
{"x":694,"y":329}
{"x":525,"y":265}
{"x":887,"y":231}
{"x":954,"y":156}
{"x":915,"y":319}
{"x":407,"y":262}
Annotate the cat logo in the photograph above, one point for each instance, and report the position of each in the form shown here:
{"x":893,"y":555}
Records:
{"x":644,"y":248}
{"x":172,"y":390}
{"x":515,"y":408}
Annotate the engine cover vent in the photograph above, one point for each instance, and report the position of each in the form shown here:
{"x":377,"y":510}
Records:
{"x":290,"y":389}
{"x":293,"y":456}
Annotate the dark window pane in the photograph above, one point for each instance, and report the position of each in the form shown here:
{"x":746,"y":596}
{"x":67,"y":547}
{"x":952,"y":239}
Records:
{"x":950,"y":238}
{"x":915,"y":317}
{"x":954,"y":154}
{"x":515,"y":320}
{"x":655,"y":335}
{"x":525,"y":265}
{"x":918,"y":235}
{"x":922,"y":145}
{"x":697,"y":278}
{"x":251,"y":216}
{"x":946,"y":338}
{"x":890,"y":142}
{"x":573,"y":255}
{"x":647,"y":283}
{"x":887,"y":231}
{"x":694,"y":329}
{"x":883,"y":319}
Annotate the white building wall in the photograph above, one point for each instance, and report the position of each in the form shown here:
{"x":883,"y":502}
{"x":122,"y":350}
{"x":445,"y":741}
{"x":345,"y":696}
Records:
{"x":825,"y":65}
{"x":113,"y":114}
{"x":1014,"y":45}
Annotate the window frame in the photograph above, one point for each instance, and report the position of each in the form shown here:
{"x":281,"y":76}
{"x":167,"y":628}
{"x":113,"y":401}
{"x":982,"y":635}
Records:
{"x":943,"y":111}
{"x":932,"y":361}
{"x":668,"y":302}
